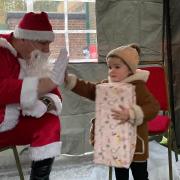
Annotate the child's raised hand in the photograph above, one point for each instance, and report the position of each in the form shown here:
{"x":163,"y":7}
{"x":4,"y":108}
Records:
{"x":121,"y":114}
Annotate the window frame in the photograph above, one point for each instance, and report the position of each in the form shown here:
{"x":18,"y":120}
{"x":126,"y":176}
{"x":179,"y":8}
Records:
{"x":65,"y":31}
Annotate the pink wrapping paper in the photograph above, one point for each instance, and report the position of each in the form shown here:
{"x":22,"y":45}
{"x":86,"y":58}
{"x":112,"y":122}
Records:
{"x":114,"y":142}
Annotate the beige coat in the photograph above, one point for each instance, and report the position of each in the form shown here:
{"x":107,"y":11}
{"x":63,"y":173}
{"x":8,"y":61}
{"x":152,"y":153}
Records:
{"x":146,"y":108}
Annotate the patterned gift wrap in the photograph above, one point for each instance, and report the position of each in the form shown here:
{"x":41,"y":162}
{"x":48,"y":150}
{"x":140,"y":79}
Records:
{"x":115,"y":141}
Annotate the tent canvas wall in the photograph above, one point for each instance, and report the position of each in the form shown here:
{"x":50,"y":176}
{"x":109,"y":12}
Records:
{"x":119,"y":22}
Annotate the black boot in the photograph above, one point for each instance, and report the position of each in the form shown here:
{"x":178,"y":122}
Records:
{"x":40,"y":170}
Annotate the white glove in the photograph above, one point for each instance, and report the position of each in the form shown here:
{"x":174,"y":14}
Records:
{"x":58,"y":71}
{"x":38,"y":110}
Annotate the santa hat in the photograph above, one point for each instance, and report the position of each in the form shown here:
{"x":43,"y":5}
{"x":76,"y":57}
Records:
{"x":129,"y":54}
{"x":34,"y":26}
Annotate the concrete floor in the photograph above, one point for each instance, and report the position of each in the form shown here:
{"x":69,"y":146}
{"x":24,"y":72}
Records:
{"x":67,"y":167}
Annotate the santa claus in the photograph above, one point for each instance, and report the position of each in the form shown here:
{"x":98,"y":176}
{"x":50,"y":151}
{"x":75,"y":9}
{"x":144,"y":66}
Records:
{"x":30,"y":104}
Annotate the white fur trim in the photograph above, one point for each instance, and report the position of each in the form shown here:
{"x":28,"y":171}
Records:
{"x":139,"y":75}
{"x":29,"y":92}
{"x":4,"y":43}
{"x":139,"y":115}
{"x":71,"y":81}
{"x":142,"y":74}
{"x":11,"y":117}
{"x":57,"y":102}
{"x":44,"y":152}
{"x":131,"y":116}
{"x":33,"y":35}
{"x":143,"y":145}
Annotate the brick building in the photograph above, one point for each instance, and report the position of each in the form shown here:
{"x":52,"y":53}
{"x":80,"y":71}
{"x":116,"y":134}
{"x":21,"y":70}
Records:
{"x":78,"y":42}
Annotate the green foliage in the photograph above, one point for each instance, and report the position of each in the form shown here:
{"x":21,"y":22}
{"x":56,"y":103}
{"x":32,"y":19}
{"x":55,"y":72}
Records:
{"x":49,"y":6}
{"x":14,"y":5}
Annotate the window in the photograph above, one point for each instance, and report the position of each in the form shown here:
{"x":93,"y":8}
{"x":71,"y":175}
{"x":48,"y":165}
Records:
{"x":73,"y":22}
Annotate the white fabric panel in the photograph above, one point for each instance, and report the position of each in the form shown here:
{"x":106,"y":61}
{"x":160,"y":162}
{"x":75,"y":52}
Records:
{"x":78,"y":111}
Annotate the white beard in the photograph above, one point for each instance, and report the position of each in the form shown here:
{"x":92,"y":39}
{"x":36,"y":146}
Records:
{"x":38,"y":65}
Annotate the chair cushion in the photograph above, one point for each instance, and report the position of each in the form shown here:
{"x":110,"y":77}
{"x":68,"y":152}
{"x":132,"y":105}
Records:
{"x":159,"y":124}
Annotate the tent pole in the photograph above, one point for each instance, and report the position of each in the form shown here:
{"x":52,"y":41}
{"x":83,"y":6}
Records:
{"x":169,"y":65}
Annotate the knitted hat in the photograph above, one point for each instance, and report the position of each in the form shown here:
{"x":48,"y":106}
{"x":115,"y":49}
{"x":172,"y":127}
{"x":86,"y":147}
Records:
{"x":129,"y":54}
{"x":34,"y":26}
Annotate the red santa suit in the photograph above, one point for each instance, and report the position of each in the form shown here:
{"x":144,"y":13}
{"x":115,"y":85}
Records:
{"x":17,"y":92}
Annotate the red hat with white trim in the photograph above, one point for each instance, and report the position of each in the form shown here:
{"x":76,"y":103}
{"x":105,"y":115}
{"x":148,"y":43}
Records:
{"x":34,"y":26}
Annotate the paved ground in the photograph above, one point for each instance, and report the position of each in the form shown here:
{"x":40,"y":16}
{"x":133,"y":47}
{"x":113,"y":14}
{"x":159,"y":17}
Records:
{"x":82,"y":167}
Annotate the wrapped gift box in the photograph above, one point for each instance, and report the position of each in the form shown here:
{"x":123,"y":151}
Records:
{"x":115,"y":141}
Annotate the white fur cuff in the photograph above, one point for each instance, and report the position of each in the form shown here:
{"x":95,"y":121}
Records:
{"x":138,"y":115}
{"x":57,"y":102}
{"x":71,"y":82}
{"x":46,"y":151}
{"x":29,"y":92}
{"x":131,"y":116}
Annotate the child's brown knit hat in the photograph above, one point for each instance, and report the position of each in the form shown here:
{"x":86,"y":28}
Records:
{"x":129,"y":54}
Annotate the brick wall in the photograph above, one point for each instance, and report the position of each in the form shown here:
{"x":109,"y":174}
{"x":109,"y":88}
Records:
{"x":77,"y":42}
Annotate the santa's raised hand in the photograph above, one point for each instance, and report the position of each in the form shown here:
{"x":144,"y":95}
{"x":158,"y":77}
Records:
{"x":60,"y":65}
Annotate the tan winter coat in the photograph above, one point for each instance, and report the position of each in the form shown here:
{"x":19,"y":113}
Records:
{"x":146,"y":109}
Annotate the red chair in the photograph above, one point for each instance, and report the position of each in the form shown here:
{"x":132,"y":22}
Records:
{"x":162,"y":123}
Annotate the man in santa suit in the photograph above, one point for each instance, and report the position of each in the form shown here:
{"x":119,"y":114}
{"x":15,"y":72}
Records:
{"x":30,"y":102}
